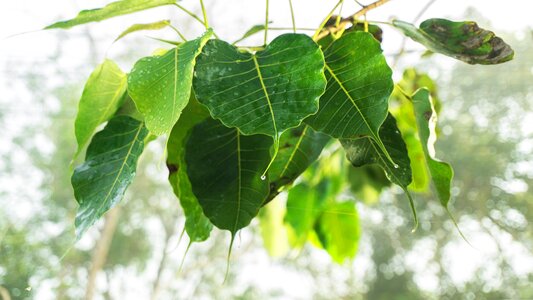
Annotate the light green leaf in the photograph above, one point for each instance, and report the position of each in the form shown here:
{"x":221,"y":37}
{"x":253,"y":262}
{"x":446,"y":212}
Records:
{"x":426,"y":121}
{"x":359,"y":85}
{"x":339,"y":230}
{"x":461,"y":40}
{"x":299,"y":148}
{"x":111,"y":10}
{"x":197,"y":226}
{"x":273,"y":229}
{"x":109,"y":168}
{"x":148,"y":26}
{"x":255,"y":29}
{"x":161,"y":85}
{"x":102,"y":96}
{"x":224,"y":168}
{"x":262,"y":93}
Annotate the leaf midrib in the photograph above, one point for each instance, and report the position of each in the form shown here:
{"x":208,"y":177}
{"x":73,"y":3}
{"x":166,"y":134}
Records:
{"x":239,"y":180}
{"x":260,"y":76}
{"x":291,"y":157}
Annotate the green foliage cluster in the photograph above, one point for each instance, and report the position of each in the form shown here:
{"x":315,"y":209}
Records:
{"x":243,"y":124}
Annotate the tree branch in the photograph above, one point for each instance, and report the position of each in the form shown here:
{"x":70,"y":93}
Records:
{"x":349,"y":20}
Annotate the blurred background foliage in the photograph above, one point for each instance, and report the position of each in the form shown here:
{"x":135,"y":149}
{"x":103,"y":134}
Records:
{"x":137,"y":251}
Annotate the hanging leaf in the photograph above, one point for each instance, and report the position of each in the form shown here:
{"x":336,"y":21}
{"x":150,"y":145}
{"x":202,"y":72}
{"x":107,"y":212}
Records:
{"x":262,"y":93}
{"x":148,"y":26}
{"x":273,"y":229}
{"x":197,"y":225}
{"x":339,"y":230}
{"x":426,"y":121}
{"x":161,"y":85}
{"x":359,"y":85}
{"x":299,"y":148}
{"x":464,"y":41}
{"x":109,"y":167}
{"x":367,"y":183}
{"x":111,"y":10}
{"x":102,"y":96}
{"x":255,"y":29}
{"x":224,"y":168}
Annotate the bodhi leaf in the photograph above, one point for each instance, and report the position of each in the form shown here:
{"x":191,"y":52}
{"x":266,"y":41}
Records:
{"x":359,"y":84}
{"x":299,"y":148}
{"x":339,"y":230}
{"x":148,"y":26}
{"x":255,"y":29}
{"x":197,"y":225}
{"x":109,"y":168}
{"x":224,"y":168}
{"x":461,"y":40}
{"x":102,"y":96}
{"x":161,"y":85}
{"x":265,"y":92}
{"x":273,"y":229}
{"x":426,"y":120}
{"x":111,"y":10}
{"x":365,"y":151}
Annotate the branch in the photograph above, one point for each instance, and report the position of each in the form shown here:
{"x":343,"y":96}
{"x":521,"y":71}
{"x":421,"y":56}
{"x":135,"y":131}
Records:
{"x":349,"y":20}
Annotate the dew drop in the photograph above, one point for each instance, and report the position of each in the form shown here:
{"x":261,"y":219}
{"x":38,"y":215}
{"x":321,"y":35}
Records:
{"x":396,"y":166}
{"x":263,"y":177}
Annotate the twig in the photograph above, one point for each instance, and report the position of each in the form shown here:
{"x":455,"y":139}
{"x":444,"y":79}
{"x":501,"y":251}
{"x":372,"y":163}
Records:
{"x":349,"y":20}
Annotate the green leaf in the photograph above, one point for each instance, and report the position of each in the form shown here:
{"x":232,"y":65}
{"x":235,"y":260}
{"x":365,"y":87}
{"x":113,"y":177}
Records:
{"x":273,"y":229}
{"x":304,"y":205}
{"x":161,"y":85}
{"x":461,"y":40}
{"x":367,"y":182}
{"x":109,"y":168}
{"x":111,"y":10}
{"x":365,"y":151}
{"x":148,"y":26}
{"x":224,"y":169}
{"x":102,"y":96}
{"x":262,"y":93}
{"x":299,"y":148}
{"x":255,"y":29}
{"x":359,"y":85}
{"x":339,"y":230}
{"x":426,"y":120}
{"x":197,"y":225}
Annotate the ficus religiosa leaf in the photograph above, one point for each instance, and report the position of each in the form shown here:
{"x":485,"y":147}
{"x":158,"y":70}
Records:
{"x":111,"y":10}
{"x":224,"y":168}
{"x":426,"y":121}
{"x":273,"y":229}
{"x":339,"y":230}
{"x":161,"y":85}
{"x":145,"y":26}
{"x":102,"y":96}
{"x":197,"y":226}
{"x":465,"y":41}
{"x":365,"y":151}
{"x":266,"y":92}
{"x":109,"y":168}
{"x":359,"y":83}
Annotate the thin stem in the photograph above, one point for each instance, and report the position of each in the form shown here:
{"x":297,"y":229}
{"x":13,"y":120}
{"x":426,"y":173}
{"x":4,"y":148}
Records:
{"x":363,"y":11}
{"x":316,"y":36}
{"x":206,"y":22}
{"x":292,"y":17}
{"x":193,"y":15}
{"x":178,"y":32}
{"x":291,"y":28}
{"x":266,"y":22}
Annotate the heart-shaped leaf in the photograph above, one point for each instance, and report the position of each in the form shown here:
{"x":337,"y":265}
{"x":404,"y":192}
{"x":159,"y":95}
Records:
{"x":111,"y":10}
{"x":262,"y":93}
{"x":102,"y":96}
{"x":109,"y":168}
{"x":224,"y":168}
{"x":161,"y":85}
{"x":465,"y":41}
{"x":355,"y":102}
{"x":197,"y":226}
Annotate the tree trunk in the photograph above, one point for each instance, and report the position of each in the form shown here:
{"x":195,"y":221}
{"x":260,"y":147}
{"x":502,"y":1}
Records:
{"x":101,"y":250}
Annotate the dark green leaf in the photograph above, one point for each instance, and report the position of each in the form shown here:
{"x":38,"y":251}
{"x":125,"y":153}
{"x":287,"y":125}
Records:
{"x":197,"y":225}
{"x":148,"y":26}
{"x":367,"y":182}
{"x":461,"y":40}
{"x":339,"y":230}
{"x":359,"y":85}
{"x":161,"y":85}
{"x":224,"y":168}
{"x":262,"y":93}
{"x":111,"y":10}
{"x":109,"y":167}
{"x":426,"y":120}
{"x":102,"y":96}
